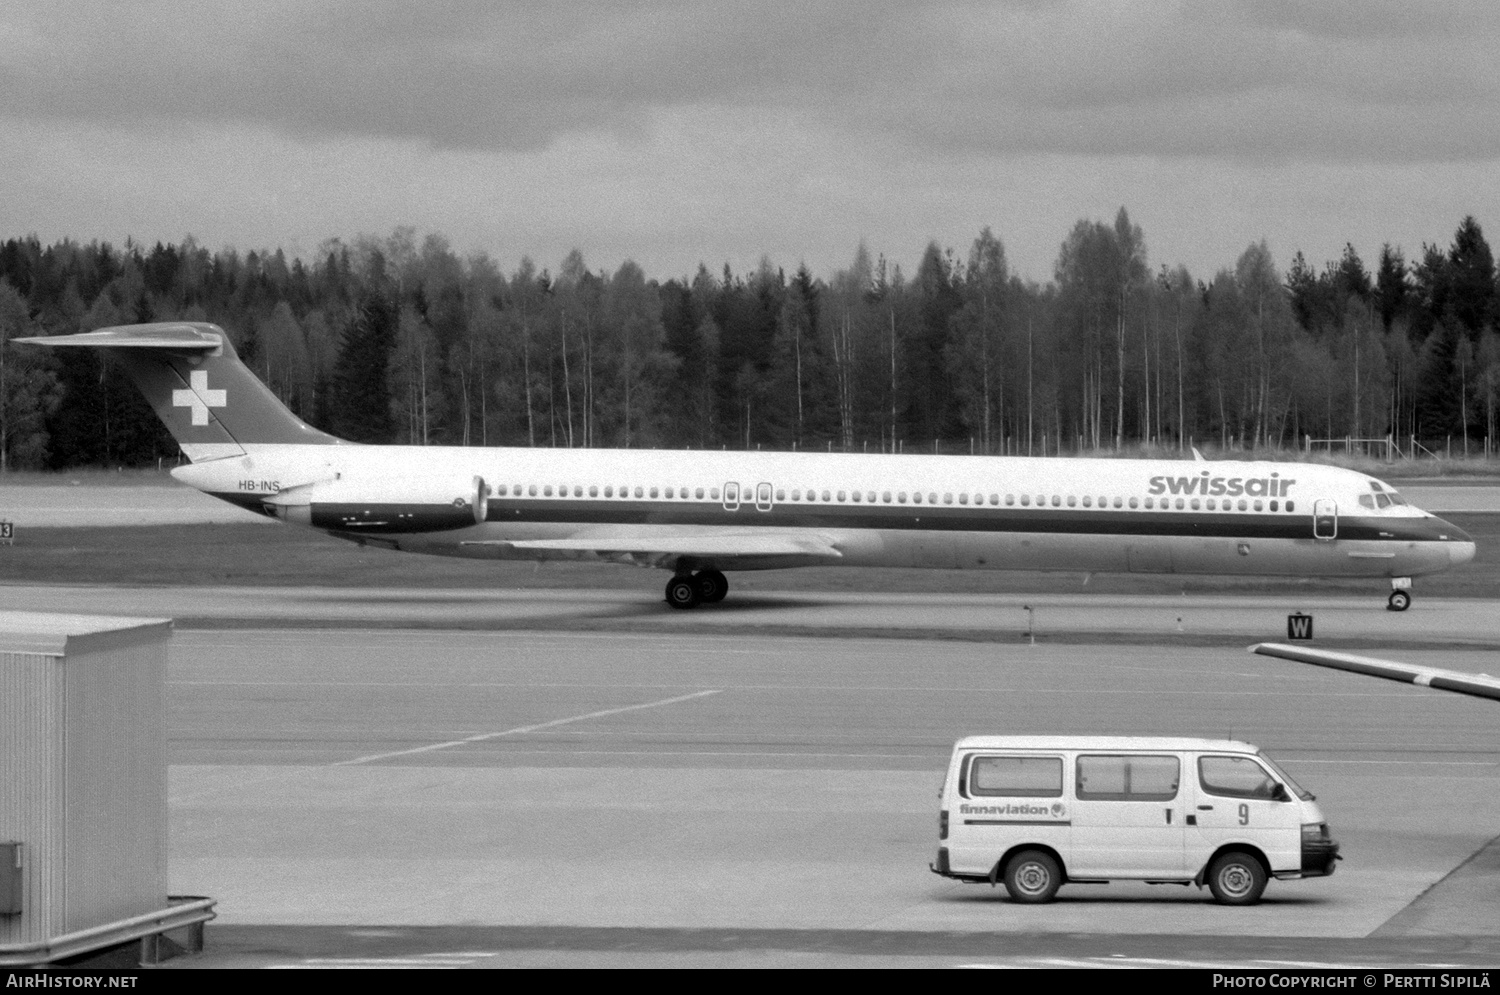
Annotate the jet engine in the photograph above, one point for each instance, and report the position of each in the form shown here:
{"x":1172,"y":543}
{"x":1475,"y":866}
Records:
{"x":394,"y":505}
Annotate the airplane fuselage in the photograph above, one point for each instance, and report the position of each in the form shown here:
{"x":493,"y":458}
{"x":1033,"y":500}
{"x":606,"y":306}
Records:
{"x":950,"y":512}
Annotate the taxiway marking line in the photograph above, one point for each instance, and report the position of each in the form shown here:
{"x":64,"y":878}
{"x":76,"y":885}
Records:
{"x":519,"y":730}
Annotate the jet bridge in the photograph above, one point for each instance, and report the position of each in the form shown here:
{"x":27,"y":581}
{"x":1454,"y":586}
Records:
{"x":83,"y":791}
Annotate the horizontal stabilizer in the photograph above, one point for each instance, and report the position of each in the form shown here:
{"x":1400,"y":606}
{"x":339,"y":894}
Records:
{"x":1479,"y":685}
{"x":181,"y":336}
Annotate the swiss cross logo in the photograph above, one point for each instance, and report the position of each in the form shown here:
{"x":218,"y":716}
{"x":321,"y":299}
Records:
{"x":199,"y":397}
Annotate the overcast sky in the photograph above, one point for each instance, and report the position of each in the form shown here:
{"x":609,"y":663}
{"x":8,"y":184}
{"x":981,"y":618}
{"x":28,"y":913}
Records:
{"x":674,"y":133}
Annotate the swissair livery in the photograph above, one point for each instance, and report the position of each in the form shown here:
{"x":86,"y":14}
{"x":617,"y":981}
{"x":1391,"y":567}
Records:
{"x":699,"y":514}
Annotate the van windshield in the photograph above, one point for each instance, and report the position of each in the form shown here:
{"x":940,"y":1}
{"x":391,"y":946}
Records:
{"x":1297,"y":789}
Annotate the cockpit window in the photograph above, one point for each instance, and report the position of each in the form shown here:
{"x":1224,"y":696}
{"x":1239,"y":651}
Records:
{"x":1367,"y":501}
{"x":1375,"y":486}
{"x":1382,"y":501}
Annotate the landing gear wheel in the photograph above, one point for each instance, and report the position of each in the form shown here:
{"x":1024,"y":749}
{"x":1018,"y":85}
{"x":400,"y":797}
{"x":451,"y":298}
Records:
{"x":1032,"y":877}
{"x":1399,"y":601}
{"x":1237,"y":879}
{"x":682,"y":592}
{"x":712,"y":586}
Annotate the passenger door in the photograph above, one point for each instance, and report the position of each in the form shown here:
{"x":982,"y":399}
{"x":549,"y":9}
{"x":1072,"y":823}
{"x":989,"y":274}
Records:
{"x":1325,"y":519}
{"x":1239,"y":801}
{"x":1127,"y":816}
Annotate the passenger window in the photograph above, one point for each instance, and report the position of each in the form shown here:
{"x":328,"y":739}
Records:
{"x":931,"y":497}
{"x":841,"y":496}
{"x":1128,"y":778}
{"x":1135,"y":503}
{"x":947,"y":498}
{"x":1150,"y":504}
{"x":1212,"y":504}
{"x":532,"y":490}
{"x":1056,"y":501}
{"x":916,"y":497}
{"x":797,"y":494}
{"x":653,"y":492}
{"x":1118,"y":502}
{"x":1235,"y":777}
{"x":826,"y":497}
{"x":1010,"y":499}
{"x":1088,"y":502}
{"x":1017,"y":777}
{"x":781,"y":495}
{"x":670,"y":492}
{"x":1273,"y":505}
{"x":1026,"y":499}
{"x":1193,"y":504}
{"x":1179,"y":504}
{"x":1291,"y":506}
{"x":963,"y":499}
{"x":994,"y":499}
{"x":593,"y":490}
{"x":500,"y":492}
{"x":713,"y":494}
{"x":901,"y":497}
{"x":1257,"y":505}
{"x":1242,"y":504}
{"x":856,"y":497}
{"x":609,"y":492}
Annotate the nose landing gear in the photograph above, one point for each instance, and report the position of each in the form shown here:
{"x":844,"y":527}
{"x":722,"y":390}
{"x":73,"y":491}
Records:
{"x":1400,"y":598}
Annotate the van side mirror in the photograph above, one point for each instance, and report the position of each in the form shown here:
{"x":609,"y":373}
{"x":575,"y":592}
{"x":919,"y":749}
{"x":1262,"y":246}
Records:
{"x":1279,"y":794}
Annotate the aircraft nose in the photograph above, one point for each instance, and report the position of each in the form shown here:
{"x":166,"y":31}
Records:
{"x":1461,"y":546}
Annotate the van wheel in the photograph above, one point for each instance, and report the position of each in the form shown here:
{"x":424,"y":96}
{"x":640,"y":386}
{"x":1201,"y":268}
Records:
{"x":1032,"y":876}
{"x":1237,"y":879}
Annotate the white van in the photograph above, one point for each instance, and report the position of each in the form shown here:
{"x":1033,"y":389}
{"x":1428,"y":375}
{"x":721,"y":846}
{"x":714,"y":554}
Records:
{"x":1040,"y":811}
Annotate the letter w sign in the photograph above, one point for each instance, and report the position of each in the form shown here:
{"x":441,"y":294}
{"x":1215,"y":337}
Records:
{"x":1299,"y":626}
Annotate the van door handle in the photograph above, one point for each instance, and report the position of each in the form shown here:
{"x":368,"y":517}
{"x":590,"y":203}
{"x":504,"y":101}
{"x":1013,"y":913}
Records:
{"x":1205,"y":808}
{"x":1169,"y":817}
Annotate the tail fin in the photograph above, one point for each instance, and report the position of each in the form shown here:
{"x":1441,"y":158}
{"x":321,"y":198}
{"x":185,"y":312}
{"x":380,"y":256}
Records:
{"x":209,"y":400}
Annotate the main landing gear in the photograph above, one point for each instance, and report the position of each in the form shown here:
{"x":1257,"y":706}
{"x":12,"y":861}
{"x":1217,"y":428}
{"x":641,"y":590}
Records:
{"x":691,"y":590}
{"x":1400,"y":598}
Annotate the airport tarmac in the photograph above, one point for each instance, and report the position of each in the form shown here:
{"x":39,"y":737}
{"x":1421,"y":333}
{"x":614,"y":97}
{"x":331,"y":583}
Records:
{"x":583,"y":777}
{"x":568,"y":798}
{"x":1189,"y":619}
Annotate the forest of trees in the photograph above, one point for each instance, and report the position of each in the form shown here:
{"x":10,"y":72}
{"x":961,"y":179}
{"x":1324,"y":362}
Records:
{"x":396,"y":340}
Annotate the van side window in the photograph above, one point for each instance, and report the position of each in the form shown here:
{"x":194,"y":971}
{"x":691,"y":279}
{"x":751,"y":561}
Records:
{"x":1235,"y":777}
{"x":1017,"y":777}
{"x":1128,"y":778}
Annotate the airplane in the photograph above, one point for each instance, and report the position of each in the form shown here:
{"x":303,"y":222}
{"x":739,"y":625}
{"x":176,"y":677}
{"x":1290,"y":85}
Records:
{"x":1457,"y":681}
{"x":699,"y":514}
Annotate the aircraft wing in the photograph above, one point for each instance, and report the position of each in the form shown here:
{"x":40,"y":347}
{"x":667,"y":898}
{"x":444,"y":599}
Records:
{"x":761,"y":549}
{"x":1479,"y":685}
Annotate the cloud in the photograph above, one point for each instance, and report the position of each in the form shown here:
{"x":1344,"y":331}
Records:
{"x":1380,"y":82}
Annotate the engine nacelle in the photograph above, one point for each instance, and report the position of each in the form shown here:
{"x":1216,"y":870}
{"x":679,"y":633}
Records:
{"x":395,"y":505}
